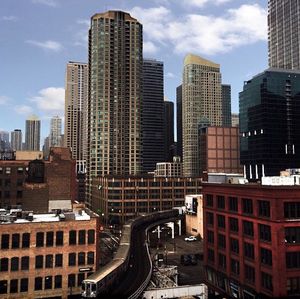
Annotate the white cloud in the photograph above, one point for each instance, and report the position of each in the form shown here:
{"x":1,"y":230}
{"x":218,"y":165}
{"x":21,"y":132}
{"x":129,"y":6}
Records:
{"x":149,"y":48}
{"x":9,"y":18}
{"x":50,"y":3}
{"x":50,"y":100}
{"x":205,"y":34}
{"x":170,"y":75}
{"x":23,"y":109}
{"x":4,"y":100}
{"x":47,"y":45}
{"x":202,"y":3}
{"x":82,"y":36}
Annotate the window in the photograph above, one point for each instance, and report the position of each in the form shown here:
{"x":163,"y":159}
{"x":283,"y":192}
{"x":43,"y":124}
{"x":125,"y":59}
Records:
{"x":15,"y":241}
{"x":264,"y":208}
{"x":209,"y":200}
{"x":91,"y":236}
{"x":81,"y":237}
{"x":24,"y":285}
{"x":4,"y":264}
{"x":80,"y":279}
{"x":48,"y":282}
{"x":5,"y":241}
{"x":234,"y":224}
{"x":6,"y":194}
{"x":221,"y":202}
{"x":266,"y":281}
{"x":264,"y":232}
{"x":14,"y":264}
{"x":293,"y":260}
{"x":58,"y":260}
{"x":3,"y":286}
{"x":233,"y":204}
{"x":234,"y":245}
{"x":71,"y":280}
{"x":14,"y":286}
{"x":250,"y":274}
{"x":221,"y":221}
{"x":235,"y":266}
{"x":38,"y":283}
{"x":72,"y":259}
{"x":249,"y":250}
{"x":59,"y":238}
{"x":211,"y":255}
{"x":266,"y":256}
{"x":90,"y":258}
{"x":25,"y":240}
{"x":248,"y":228}
{"x":7,"y":170}
{"x":293,"y":286}
{"x":292,"y":235}
{"x":39,"y":239}
{"x":19,"y":193}
{"x":39,"y":261}
{"x":72,"y":237}
{"x":210,"y":218}
{"x":221,"y":241}
{"x":20,"y":170}
{"x":49,"y":239}
{"x":57,"y":282}
{"x":81,"y":258}
{"x":25,"y":263}
{"x":222,"y":260}
{"x":210,"y":237}
{"x":292,"y":210}
{"x":19,"y":182}
{"x":247,"y":205}
{"x":49,"y":261}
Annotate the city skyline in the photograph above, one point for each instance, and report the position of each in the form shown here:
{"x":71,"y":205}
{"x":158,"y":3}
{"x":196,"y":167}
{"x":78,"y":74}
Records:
{"x":41,"y":80}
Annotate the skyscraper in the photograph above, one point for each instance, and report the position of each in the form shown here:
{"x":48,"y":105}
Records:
{"x":201,"y":104}
{"x":32,"y":133}
{"x":153,"y":114}
{"x":55,"y":131}
{"x":16,"y":140}
{"x":76,"y":97}
{"x":179,"y":119}
{"x":226,"y":105}
{"x":115,"y":95}
{"x":4,"y":140}
{"x":169,"y":129}
{"x":284,"y":33}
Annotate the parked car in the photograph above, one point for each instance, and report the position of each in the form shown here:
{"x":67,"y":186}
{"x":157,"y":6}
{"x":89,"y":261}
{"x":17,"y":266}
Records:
{"x":190,"y":239}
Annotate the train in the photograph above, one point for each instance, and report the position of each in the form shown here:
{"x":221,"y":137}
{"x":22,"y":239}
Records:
{"x":105,"y":278}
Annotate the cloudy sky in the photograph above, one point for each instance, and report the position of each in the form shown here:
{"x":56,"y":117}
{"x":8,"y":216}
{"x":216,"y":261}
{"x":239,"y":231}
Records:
{"x":38,"y":38}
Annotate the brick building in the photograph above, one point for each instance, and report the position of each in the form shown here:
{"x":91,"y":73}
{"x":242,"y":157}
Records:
{"x":34,"y":185}
{"x":252,"y":240}
{"x":122,"y":198}
{"x":47,"y":255}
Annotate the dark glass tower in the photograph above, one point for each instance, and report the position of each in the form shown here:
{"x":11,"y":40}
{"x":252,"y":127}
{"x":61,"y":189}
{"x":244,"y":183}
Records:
{"x":153,"y":114}
{"x":169,"y":130}
{"x":179,"y":119}
{"x":226,"y":105}
{"x":270,"y":123}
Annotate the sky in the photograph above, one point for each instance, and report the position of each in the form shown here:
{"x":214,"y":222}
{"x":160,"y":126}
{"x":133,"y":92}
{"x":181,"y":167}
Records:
{"x":39,"y":37}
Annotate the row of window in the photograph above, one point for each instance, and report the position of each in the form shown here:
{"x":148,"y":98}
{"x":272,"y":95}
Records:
{"x":7,"y":170}
{"x":48,"y":239}
{"x":15,"y":286}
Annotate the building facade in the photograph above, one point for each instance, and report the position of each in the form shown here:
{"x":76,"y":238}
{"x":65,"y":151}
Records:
{"x":283,"y":34}
{"x":16,"y":140}
{"x":179,"y":120}
{"x":32,"y":134}
{"x":251,"y":240}
{"x":47,"y":255}
{"x":76,"y":97}
{"x":153,"y":114}
{"x":169,"y":169}
{"x":169,"y":130}
{"x":55,"y":131}
{"x":235,"y":119}
{"x":226,"y":105}
{"x":269,"y":123}
{"x":123,"y":198}
{"x":4,"y":141}
{"x":201,"y":104}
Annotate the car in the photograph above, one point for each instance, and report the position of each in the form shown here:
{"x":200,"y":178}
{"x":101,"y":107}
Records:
{"x":190,"y":239}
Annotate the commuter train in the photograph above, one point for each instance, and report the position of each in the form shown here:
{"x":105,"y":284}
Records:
{"x":103,"y":280}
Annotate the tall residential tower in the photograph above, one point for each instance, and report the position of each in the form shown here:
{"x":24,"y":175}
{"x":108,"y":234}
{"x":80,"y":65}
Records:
{"x":16,"y":140}
{"x":32,"y":133}
{"x":55,"y":131}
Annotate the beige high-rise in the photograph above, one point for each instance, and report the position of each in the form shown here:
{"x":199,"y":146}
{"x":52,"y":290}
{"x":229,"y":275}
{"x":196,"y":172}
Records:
{"x":76,"y":97}
{"x":201,"y":105}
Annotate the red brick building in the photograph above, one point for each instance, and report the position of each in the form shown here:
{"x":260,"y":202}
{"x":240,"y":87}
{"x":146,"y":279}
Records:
{"x":252,"y":240}
{"x":47,"y":255}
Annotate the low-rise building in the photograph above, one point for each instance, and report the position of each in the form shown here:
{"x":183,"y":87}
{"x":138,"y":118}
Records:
{"x":47,"y":255}
{"x":169,"y":169}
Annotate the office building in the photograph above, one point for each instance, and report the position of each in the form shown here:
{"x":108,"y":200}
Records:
{"x":55,"y":131}
{"x":47,"y":255}
{"x":115,"y":96}
{"x":270,"y":123}
{"x":201,"y":105}
{"x":179,"y":120}
{"x":251,"y":239}
{"x":16,"y":140}
{"x":169,"y":129}
{"x":76,"y":98}
{"x":169,"y":169}
{"x":226,"y":105}
{"x":32,"y":133}
{"x":284,"y":34}
{"x":4,"y":141}
{"x":153,"y":114}
{"x":235,"y":119}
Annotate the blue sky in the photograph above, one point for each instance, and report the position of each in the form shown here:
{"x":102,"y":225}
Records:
{"x":38,"y":38}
